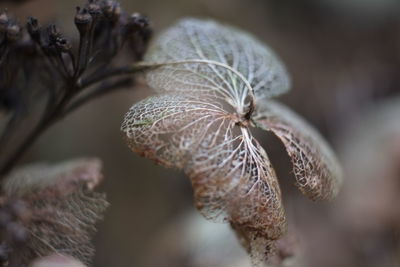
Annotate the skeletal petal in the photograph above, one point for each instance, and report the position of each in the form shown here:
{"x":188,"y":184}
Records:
{"x":315,"y":166}
{"x":202,"y":55}
{"x":231,"y":175}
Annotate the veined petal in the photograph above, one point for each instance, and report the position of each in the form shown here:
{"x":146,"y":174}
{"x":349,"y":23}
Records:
{"x":238,"y":181}
{"x":205,"y":55}
{"x":167,"y":128}
{"x":231,"y":174}
{"x":315,"y":166}
{"x":244,"y":192}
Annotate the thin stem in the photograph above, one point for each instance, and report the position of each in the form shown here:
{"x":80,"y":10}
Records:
{"x":52,"y":62}
{"x":82,"y":55}
{"x":97,"y":92}
{"x":91,"y":39}
{"x":100,"y":76}
{"x":63,"y":69}
{"x":65,"y":106}
{"x":72,"y":58}
{"x":8,"y":130}
{"x":46,"y":121}
{"x":9,"y":164}
{"x":57,"y":108}
{"x":63,"y":64}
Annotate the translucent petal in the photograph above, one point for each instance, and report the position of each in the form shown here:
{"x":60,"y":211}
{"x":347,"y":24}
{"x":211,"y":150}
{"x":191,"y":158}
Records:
{"x":214,"y":57}
{"x":231,"y":175}
{"x":243,"y":191}
{"x":168,"y":127}
{"x":315,"y":166}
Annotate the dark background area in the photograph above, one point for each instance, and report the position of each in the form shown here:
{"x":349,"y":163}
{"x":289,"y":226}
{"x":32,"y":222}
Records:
{"x":344,"y":60}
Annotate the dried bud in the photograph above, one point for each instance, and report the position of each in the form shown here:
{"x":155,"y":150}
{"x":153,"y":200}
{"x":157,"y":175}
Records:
{"x":34,"y":29}
{"x":138,"y":32}
{"x":138,"y":22}
{"x":57,"y":40}
{"x":111,"y":10}
{"x":83,"y":20}
{"x":94,"y":8}
{"x":139,"y":25}
{"x":64,"y":45}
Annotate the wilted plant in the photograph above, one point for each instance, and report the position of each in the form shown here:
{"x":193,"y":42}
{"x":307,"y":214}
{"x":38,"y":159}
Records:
{"x":215,"y":83}
{"x":43,"y":78}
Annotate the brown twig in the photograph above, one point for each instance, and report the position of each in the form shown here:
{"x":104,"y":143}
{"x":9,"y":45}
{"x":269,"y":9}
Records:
{"x":67,"y":94}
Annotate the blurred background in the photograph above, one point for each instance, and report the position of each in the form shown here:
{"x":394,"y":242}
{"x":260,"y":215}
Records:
{"x":344,"y":60}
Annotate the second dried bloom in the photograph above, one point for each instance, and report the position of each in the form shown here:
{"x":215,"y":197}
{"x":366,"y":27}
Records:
{"x":52,"y":210}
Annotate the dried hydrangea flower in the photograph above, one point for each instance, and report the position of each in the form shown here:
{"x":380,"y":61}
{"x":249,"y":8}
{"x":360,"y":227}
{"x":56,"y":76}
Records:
{"x":53,"y":209}
{"x":214,"y":84}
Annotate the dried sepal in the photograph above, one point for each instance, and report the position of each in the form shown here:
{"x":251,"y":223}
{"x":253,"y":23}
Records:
{"x":63,"y":209}
{"x":242,"y":189}
{"x":213,"y":79}
{"x":231,"y":175}
{"x":317,"y":171}
{"x":166,"y":128}
{"x":203,"y":55}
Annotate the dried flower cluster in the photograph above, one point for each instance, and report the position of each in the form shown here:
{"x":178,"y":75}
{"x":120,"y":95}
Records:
{"x":51,"y":209}
{"x":44,"y":75}
{"x":215,"y":83}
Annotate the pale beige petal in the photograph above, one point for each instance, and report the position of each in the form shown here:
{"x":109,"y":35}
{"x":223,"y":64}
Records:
{"x":202,"y":55}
